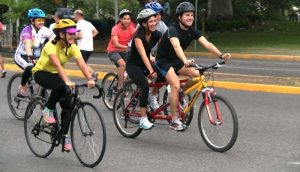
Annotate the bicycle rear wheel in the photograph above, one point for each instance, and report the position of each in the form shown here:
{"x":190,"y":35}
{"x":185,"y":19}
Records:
{"x":110,"y":81}
{"x":221,"y":136}
{"x":38,"y":134}
{"x":125,"y":113}
{"x":16,"y":104}
{"x":88,"y":135}
{"x":183,"y":102}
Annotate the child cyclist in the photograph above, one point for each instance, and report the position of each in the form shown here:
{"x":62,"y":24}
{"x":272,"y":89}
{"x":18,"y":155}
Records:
{"x":117,"y":48}
{"x":32,"y":39}
{"x":49,"y":73}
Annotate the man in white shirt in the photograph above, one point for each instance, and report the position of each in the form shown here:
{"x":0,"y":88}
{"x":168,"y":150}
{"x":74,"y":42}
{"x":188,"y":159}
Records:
{"x":85,"y":37}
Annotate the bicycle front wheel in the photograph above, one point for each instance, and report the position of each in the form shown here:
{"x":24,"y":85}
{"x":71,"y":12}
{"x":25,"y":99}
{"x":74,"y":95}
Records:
{"x":88,"y":135}
{"x":38,"y":134}
{"x":221,"y":135}
{"x":110,"y":81}
{"x":126,"y":116}
{"x":16,"y":104}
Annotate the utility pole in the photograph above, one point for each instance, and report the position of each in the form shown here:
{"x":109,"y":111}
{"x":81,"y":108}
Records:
{"x":196,"y":22}
{"x":116,"y":11}
{"x":97,"y":9}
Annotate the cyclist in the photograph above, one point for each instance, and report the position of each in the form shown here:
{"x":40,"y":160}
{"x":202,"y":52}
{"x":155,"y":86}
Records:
{"x":155,"y":6}
{"x":49,"y":73}
{"x":32,"y":39}
{"x":138,"y":63}
{"x":117,"y":48}
{"x":161,"y":27}
{"x":171,"y":59}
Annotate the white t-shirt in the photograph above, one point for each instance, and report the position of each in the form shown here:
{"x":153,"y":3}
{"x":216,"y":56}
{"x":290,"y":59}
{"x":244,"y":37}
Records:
{"x":86,"y":42}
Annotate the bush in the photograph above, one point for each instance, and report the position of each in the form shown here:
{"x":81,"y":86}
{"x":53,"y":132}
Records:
{"x":215,"y":26}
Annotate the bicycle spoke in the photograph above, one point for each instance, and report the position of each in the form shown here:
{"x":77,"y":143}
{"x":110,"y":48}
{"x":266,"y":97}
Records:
{"x":219,"y":137}
{"x":38,"y":135}
{"x":88,"y":135}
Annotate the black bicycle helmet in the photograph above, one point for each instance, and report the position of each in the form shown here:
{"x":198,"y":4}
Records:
{"x":184,"y":7}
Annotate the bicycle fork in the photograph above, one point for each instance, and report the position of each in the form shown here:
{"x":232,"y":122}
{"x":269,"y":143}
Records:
{"x":207,"y":98}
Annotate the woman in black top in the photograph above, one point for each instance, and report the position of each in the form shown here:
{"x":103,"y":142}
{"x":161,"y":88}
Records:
{"x":171,"y":59}
{"x":138,"y":63}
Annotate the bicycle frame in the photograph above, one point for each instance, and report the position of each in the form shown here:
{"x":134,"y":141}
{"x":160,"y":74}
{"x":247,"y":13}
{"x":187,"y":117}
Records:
{"x":200,"y":86}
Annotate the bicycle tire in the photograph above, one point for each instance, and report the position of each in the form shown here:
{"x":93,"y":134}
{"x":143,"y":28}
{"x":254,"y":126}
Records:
{"x":87,"y":122}
{"x":109,"y":81}
{"x":35,"y":129}
{"x":16,"y":104}
{"x":189,"y":116}
{"x":228,"y":112}
{"x":122,"y":120}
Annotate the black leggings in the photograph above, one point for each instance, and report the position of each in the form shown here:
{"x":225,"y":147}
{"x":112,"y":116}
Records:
{"x":26,"y":75}
{"x":58,"y":94}
{"x":137,"y":75}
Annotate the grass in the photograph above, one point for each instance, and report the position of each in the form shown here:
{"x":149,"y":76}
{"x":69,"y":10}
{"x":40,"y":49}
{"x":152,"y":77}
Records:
{"x":280,"y":38}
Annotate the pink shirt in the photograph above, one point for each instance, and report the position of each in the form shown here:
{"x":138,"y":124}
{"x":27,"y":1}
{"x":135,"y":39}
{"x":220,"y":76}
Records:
{"x":124,"y":36}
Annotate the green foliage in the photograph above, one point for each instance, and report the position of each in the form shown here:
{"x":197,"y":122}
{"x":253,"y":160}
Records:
{"x":215,"y":26}
{"x":17,"y":9}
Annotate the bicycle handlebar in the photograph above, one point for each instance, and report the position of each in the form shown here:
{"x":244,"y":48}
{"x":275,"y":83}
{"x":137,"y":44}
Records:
{"x":203,"y":68}
{"x":85,"y":85}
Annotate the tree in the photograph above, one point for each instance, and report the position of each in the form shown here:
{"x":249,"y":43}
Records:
{"x":219,"y":10}
{"x":16,"y":9}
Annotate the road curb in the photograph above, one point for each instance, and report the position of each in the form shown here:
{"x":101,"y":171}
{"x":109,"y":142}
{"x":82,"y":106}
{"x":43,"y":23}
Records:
{"x":218,"y":84}
{"x":248,"y":56}
{"x":243,"y":56}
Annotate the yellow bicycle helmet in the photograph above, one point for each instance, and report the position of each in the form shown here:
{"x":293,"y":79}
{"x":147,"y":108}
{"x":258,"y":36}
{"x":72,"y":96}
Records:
{"x":65,"y":24}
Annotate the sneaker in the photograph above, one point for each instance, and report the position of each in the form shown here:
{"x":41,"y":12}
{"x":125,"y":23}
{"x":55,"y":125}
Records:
{"x":153,"y":101}
{"x":145,"y":124}
{"x":95,"y":76}
{"x":67,"y":144}
{"x":23,"y":91}
{"x":3,"y":74}
{"x":177,"y":125}
{"x":49,"y":116}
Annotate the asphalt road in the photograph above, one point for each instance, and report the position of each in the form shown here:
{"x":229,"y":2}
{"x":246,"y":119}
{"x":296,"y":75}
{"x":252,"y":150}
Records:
{"x":268,"y":140}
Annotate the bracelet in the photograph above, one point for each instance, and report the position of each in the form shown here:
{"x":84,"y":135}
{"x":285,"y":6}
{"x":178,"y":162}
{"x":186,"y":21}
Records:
{"x":221,"y":56}
{"x":151,"y":73}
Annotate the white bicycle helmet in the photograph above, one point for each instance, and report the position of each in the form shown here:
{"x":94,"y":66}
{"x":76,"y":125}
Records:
{"x":145,"y":14}
{"x":124,"y":12}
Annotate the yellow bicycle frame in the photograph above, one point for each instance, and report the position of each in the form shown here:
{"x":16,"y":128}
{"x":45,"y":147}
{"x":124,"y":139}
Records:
{"x":198,"y":84}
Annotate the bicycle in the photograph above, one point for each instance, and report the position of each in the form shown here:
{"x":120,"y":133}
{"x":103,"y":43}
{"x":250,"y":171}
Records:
{"x":18,"y":104}
{"x":217,"y":119}
{"x":87,"y":129}
{"x":109,"y":87}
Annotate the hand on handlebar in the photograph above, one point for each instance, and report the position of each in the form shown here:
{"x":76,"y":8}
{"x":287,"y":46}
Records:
{"x":91,"y":83}
{"x":153,"y":75}
{"x":70,"y":84}
{"x":189,"y":62}
{"x":226,"y":56}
